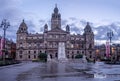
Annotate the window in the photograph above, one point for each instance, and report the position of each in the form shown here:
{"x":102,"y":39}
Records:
{"x":40,"y":51}
{"x":38,"y":45}
{"x":21,"y":29}
{"x":20,"y":52}
{"x":72,"y":46}
{"x":72,"y":56}
{"x":90,"y":46}
{"x":29,"y":45}
{"x":20,"y":56}
{"x":82,"y":52}
{"x":77,"y":52}
{"x":34,"y":56}
{"x":57,"y":36}
{"x":21,"y":37}
{"x":62,"y":36}
{"x":20,"y":44}
{"x":72,"y":38}
{"x":90,"y":52}
{"x":50,"y":36}
{"x":72,"y":52}
{"x":40,"y":37}
{"x":90,"y":56}
{"x":82,"y":39}
{"x":29,"y":56}
{"x":29,"y":52}
{"x":34,"y":52}
{"x":35,"y":44}
{"x":77,"y":38}
{"x":68,"y":52}
{"x":82,"y":45}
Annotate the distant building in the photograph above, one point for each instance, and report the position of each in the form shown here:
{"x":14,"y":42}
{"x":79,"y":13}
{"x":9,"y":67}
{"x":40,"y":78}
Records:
{"x":10,"y":47}
{"x":30,"y":45}
{"x":100,"y":52}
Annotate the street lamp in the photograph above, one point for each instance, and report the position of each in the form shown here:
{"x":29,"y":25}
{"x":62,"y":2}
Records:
{"x":46,"y":47}
{"x":4,"y":25}
{"x":110,"y":35}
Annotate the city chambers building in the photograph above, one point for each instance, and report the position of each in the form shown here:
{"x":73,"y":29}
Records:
{"x":28,"y":45}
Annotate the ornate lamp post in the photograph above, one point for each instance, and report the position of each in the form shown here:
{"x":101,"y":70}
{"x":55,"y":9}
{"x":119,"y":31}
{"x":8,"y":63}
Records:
{"x":110,"y":35}
{"x":4,"y":25}
{"x":46,"y":47}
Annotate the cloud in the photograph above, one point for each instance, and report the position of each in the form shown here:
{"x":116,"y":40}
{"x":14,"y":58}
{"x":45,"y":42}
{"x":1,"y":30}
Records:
{"x":11,"y":10}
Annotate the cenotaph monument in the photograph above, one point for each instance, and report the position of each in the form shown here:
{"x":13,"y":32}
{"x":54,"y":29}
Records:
{"x":61,"y":52}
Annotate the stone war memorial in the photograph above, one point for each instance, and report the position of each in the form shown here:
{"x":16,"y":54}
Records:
{"x":61,"y":52}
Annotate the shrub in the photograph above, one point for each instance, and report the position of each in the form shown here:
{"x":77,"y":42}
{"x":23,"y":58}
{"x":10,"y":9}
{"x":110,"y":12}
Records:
{"x":42,"y":57}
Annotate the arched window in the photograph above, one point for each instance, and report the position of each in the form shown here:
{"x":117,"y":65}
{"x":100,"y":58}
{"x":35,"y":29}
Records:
{"x":20,"y":56}
{"x":34,"y":52}
{"x":90,"y":46}
{"x":29,"y":52}
{"x":29,"y":56}
{"x":40,"y":51}
{"x":34,"y":56}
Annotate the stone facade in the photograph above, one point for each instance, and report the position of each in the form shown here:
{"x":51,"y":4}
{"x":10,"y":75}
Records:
{"x":30,"y":45}
{"x":10,"y":48}
{"x":100,"y":52}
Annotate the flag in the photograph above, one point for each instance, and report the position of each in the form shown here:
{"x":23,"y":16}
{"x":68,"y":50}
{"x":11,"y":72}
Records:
{"x":1,"y":45}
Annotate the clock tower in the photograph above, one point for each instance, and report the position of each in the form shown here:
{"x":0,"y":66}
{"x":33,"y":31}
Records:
{"x":56,"y":19}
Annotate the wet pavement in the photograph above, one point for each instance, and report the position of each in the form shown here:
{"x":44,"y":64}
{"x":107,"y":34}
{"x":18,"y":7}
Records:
{"x":60,"y":71}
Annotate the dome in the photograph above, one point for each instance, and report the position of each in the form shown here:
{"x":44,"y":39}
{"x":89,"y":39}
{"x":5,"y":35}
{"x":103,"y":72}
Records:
{"x":23,"y":24}
{"x":88,"y":28}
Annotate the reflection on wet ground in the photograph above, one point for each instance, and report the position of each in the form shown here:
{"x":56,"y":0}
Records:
{"x":58,"y":71}
{"x":50,"y":71}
